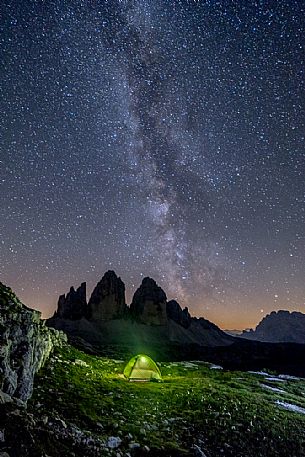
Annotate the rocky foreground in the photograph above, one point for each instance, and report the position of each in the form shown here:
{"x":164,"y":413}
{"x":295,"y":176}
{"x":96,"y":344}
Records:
{"x":57,"y":401}
{"x":25,"y":345}
{"x":83,"y":406}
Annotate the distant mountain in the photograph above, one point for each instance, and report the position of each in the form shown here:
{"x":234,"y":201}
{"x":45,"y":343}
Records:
{"x":150,"y":320}
{"x":279,"y":327}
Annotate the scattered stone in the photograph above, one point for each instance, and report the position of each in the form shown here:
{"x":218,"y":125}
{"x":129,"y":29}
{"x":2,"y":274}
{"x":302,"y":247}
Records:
{"x":198,"y":451}
{"x":113,"y":442}
{"x":5,"y":398}
{"x":134,"y":445}
{"x":189,"y":365}
{"x":60,"y":422}
{"x":81,"y":363}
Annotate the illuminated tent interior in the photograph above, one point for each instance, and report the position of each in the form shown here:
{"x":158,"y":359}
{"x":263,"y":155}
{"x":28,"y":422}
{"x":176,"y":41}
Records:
{"x":142,"y":368}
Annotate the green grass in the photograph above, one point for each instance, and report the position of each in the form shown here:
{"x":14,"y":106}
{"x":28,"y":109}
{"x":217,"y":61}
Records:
{"x":225,"y":413}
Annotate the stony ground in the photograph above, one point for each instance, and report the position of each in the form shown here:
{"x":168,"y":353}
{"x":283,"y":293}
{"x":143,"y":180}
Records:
{"x":82,"y":406}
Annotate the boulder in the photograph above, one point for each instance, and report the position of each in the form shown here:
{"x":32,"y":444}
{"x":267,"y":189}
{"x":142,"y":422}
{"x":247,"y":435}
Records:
{"x":25,"y":344}
{"x":149,"y":304}
{"x":73,"y":305}
{"x":108,"y":298}
{"x":175,"y":312}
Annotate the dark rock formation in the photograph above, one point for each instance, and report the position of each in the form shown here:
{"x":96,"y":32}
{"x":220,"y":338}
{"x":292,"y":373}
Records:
{"x":207,"y":325}
{"x":149,"y":303}
{"x":175,"y":312}
{"x":150,"y":322}
{"x":73,"y":305}
{"x":279,"y":327}
{"x":108,"y":298}
{"x":25,"y":344}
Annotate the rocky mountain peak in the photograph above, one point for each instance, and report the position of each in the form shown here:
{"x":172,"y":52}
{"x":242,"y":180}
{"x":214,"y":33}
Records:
{"x":279,"y":326}
{"x":177,"y":314}
{"x":73,"y":305}
{"x":149,"y":303}
{"x":108,"y":298}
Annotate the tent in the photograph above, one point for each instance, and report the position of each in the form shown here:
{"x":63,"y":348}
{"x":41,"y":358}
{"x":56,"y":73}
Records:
{"x":142,"y":368}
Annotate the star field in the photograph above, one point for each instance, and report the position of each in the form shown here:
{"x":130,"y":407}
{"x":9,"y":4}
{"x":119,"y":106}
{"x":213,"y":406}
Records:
{"x":155,"y":138}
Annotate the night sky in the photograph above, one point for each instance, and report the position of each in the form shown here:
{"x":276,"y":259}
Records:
{"x":157,"y":138}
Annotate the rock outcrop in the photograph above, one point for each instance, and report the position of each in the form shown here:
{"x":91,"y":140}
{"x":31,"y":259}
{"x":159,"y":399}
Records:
{"x":25,"y":344}
{"x":279,"y":327}
{"x":150,"y":321}
{"x":149,"y":304}
{"x":108,"y":298}
{"x":73,"y":305}
{"x":177,"y":314}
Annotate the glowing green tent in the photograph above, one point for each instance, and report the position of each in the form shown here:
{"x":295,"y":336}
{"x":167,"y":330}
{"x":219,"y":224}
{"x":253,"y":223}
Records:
{"x":142,"y":368}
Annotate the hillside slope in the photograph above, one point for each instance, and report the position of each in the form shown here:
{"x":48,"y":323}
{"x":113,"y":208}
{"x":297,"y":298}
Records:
{"x":82,"y":406}
{"x":137,"y":336}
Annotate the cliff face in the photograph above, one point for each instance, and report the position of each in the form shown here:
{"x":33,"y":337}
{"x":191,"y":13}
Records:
{"x":25,"y":344}
{"x":177,"y":314}
{"x":108,"y":298}
{"x":279,"y":327}
{"x":149,"y":304}
{"x":108,"y":302}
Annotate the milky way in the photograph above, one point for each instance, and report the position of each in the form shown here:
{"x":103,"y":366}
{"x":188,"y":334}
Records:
{"x":159,"y":138}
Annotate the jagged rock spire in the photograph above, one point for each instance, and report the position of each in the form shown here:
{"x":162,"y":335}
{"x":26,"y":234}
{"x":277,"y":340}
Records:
{"x":108,"y":298}
{"x":175,"y":312}
{"x":149,"y":303}
{"x":73,"y":305}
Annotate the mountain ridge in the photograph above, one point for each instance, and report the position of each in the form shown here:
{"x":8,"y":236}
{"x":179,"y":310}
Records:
{"x":150,"y":319}
{"x":279,"y":327}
